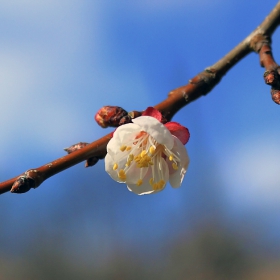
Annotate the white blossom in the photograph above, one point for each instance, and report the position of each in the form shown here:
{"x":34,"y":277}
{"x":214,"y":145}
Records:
{"x":145,"y":155}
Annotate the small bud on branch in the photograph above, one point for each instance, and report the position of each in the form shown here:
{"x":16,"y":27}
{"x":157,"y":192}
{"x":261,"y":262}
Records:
{"x":270,"y":77}
{"x":90,"y":161}
{"x":275,"y":94}
{"x":111,"y":116}
{"x":23,"y":184}
{"x":26,"y":181}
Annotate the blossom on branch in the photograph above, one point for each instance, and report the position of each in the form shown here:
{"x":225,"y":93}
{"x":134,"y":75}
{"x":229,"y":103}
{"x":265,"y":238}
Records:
{"x":146,"y":154}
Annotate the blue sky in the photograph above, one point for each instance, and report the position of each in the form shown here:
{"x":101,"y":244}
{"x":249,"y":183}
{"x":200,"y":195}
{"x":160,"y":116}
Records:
{"x":63,"y":60}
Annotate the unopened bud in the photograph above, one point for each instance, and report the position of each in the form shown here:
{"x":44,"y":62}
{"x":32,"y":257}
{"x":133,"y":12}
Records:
{"x":23,"y":184}
{"x":275,"y":94}
{"x":110,"y":116}
{"x":270,"y":77}
{"x":91,"y":161}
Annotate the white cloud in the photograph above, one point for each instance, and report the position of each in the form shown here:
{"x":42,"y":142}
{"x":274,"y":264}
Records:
{"x":37,"y":69}
{"x":16,"y":78}
{"x":43,"y":37}
{"x":251,"y":172}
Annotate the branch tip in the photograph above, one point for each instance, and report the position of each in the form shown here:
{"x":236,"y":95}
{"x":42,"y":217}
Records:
{"x":271,"y":77}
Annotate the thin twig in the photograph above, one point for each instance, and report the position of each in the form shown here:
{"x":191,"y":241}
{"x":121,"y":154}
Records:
{"x":201,"y":84}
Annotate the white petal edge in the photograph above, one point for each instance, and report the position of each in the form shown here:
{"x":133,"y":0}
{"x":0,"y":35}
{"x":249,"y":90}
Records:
{"x":109,"y":163}
{"x":176,"y":176}
{"x":141,"y":190}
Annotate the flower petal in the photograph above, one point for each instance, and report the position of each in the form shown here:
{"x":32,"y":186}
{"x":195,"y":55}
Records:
{"x":124,"y":132}
{"x":121,"y":136}
{"x":134,"y":173}
{"x":152,"y":112}
{"x":179,"y":131}
{"x":145,"y":188}
{"x":163,"y":171}
{"x":176,"y":176}
{"x":156,"y":129}
{"x":145,"y":155}
{"x":109,"y":163}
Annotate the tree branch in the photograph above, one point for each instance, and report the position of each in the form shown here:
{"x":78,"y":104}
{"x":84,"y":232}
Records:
{"x":258,"y":41}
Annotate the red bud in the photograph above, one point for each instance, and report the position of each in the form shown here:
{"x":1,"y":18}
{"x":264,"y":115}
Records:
{"x":110,"y":116}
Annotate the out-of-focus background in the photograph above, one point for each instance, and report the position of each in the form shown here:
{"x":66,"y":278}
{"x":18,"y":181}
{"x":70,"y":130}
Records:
{"x":60,"y":61}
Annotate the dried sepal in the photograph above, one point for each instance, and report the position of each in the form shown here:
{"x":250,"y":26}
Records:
{"x":125,"y":120}
{"x":134,"y":114}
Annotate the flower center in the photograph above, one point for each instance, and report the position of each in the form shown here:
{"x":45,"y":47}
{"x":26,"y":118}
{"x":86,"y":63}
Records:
{"x":143,"y":151}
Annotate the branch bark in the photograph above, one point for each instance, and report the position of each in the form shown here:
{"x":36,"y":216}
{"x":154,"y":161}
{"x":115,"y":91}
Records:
{"x":258,"y":41}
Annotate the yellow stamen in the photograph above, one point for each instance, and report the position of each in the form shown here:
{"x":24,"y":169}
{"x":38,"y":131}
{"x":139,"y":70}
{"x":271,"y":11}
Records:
{"x":115,"y":167}
{"x":157,"y":186}
{"x":139,"y":182}
{"x":129,"y":160}
{"x":175,"y":166}
{"x":152,"y":150}
{"x":161,"y":184}
{"x":128,"y":148}
{"x":170,"y":157}
{"x":122,"y":175}
{"x":122,"y":148}
{"x":143,"y":160}
{"x":143,"y":153}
